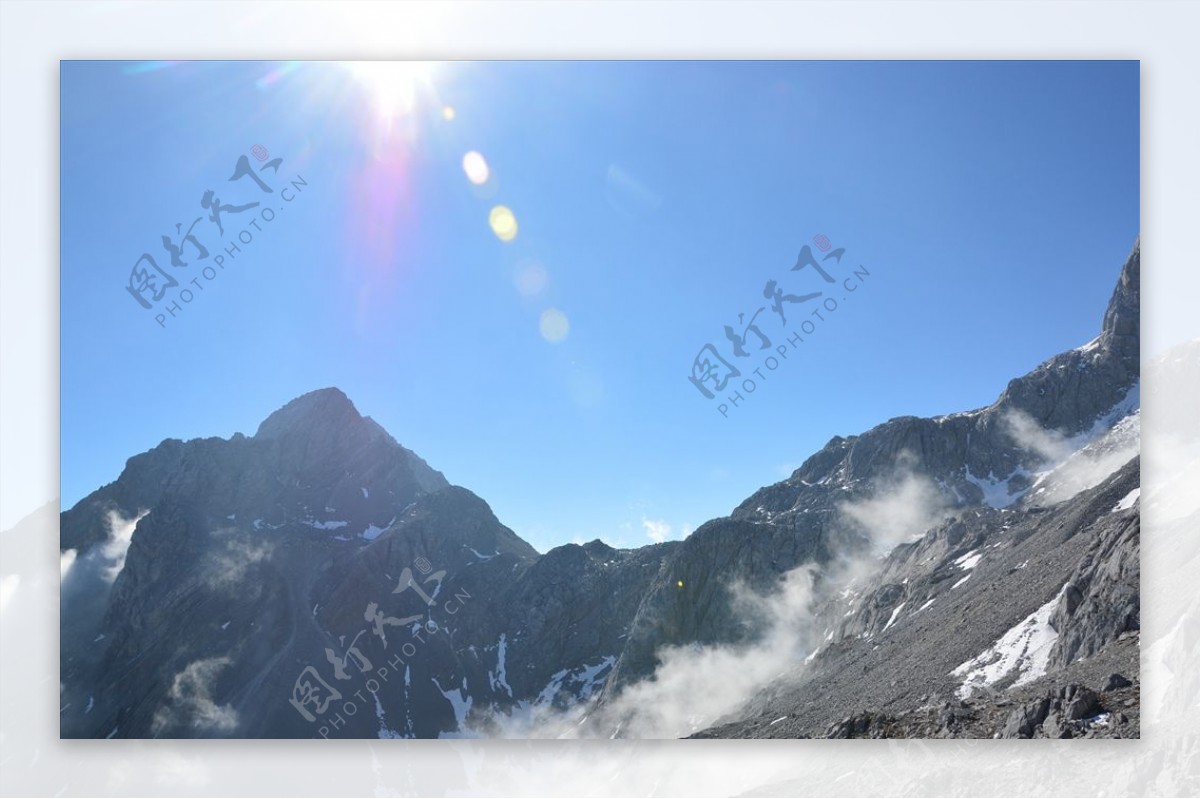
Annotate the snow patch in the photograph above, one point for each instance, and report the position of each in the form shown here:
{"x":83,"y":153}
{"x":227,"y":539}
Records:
{"x":1025,"y":649}
{"x":551,"y":690}
{"x":1128,"y":501}
{"x":384,"y":730}
{"x":968,"y":561}
{"x":478,"y":555}
{"x":499,"y":678}
{"x":460,"y":701}
{"x":895,"y":613}
{"x":589,"y":677}
{"x":372,"y":532}
{"x":584,"y":681}
{"x":995,"y":490}
{"x":325,"y":525}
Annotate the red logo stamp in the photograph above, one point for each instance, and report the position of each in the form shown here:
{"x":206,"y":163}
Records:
{"x":259,"y":152}
{"x":822,"y":241}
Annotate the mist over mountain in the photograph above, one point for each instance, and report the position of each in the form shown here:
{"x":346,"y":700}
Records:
{"x":967,"y":575}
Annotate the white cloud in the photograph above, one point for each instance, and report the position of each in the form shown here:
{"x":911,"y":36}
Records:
{"x":229,"y":566}
{"x":190,"y":707}
{"x":694,"y":685}
{"x":1049,"y":445}
{"x":1071,"y":465}
{"x":120,"y":534}
{"x":65,"y":561}
{"x":656,"y":531}
{"x":901,"y":510}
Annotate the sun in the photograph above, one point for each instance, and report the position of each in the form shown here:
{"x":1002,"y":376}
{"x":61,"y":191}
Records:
{"x":394,"y":86}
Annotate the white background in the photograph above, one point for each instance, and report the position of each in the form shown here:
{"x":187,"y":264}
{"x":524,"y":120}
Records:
{"x":35,"y":35}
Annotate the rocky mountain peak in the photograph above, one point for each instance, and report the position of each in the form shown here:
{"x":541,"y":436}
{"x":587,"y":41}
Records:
{"x":981,"y":457}
{"x":325,"y":407}
{"x":1122,"y":317}
{"x":315,"y":461}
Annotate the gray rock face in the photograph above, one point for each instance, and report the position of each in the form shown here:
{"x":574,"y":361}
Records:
{"x":980,"y":587}
{"x":1024,"y":721}
{"x":1056,"y":714}
{"x":318,"y":540}
{"x":1116,"y":682}
{"x":1068,"y":393}
{"x":319,"y":580}
{"x":1102,"y":598}
{"x":314,"y":459}
{"x":794,"y":521}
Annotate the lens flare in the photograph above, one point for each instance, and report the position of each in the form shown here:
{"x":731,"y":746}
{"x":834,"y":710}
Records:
{"x":553,"y":325}
{"x":393,"y":85}
{"x":531,"y":278}
{"x":277,"y":74}
{"x":475,"y":165}
{"x":448,"y":113}
{"x":503,"y":223}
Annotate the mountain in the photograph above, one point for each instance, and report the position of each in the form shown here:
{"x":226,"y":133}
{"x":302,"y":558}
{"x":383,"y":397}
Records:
{"x":971,"y":575}
{"x":249,"y":558}
{"x":314,"y":459}
{"x":988,"y":457}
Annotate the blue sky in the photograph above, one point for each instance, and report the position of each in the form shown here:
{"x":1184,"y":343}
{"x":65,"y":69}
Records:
{"x":992,"y":204}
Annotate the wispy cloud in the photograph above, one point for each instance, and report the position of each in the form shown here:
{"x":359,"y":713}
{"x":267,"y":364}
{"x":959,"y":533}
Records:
{"x":1071,"y":465}
{"x":901,"y":508}
{"x":120,"y":535}
{"x":229,"y":565}
{"x":656,"y":531}
{"x":694,"y":685}
{"x":190,"y":707}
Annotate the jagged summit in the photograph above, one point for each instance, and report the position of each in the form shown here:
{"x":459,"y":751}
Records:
{"x":316,"y":460}
{"x":325,"y":406}
{"x":1122,"y":319}
{"x":977,"y":456}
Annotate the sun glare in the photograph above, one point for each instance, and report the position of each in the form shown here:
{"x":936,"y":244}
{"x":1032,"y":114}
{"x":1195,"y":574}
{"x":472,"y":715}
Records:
{"x":393,"y":85}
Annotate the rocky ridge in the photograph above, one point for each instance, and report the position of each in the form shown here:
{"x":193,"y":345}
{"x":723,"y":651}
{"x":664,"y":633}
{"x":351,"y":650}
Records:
{"x":321,"y":557}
